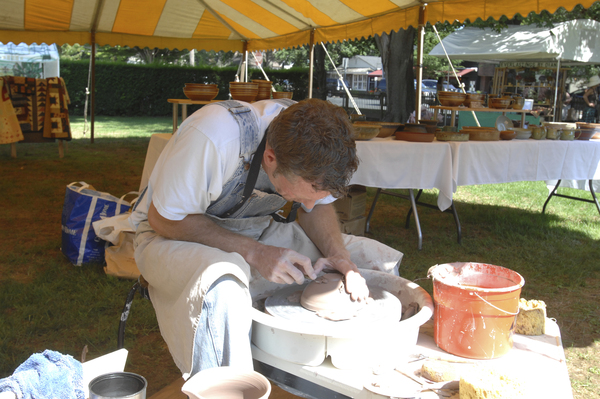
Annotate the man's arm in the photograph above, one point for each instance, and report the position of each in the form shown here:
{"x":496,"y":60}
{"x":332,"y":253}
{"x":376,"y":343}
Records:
{"x":321,"y":226}
{"x":279,"y":265}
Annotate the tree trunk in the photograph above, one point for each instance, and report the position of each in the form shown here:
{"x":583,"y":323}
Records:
{"x":397,"y":56}
{"x":319,"y":74}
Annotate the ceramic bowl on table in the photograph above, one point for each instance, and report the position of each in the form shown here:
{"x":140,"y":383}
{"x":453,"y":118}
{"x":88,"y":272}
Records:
{"x":415,"y":128}
{"x":283,"y":94}
{"x":451,"y":98}
{"x":389,"y":128}
{"x":200,"y":91}
{"x":589,"y":130}
{"x":415,"y":136}
{"x":264,"y":89}
{"x":521,"y":134}
{"x":243,"y":91}
{"x":508,"y":134}
{"x":365,"y":130}
{"x":477,"y":133}
{"x":499,"y":102}
{"x":451,"y":136}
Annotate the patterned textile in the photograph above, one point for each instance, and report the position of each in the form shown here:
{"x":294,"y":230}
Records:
{"x":56,"y":123}
{"x":10,"y":131}
{"x":41,"y":105}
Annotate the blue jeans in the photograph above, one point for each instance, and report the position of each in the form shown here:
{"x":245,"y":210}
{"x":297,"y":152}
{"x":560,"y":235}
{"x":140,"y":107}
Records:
{"x":224,"y":329}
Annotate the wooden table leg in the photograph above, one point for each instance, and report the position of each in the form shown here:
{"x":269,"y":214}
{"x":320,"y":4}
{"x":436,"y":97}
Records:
{"x":61,"y":152}
{"x":175,"y":116}
{"x":183,"y":112}
{"x":453,"y":118}
{"x":13,"y":150}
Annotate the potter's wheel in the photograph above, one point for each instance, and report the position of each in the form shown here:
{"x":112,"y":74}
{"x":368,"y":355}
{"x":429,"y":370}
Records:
{"x":285,"y":304}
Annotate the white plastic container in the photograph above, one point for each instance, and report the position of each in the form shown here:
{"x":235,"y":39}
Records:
{"x":383,"y":345}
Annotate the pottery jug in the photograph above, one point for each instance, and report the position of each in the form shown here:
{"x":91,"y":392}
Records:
{"x":518,"y":102}
{"x":538,"y":132}
{"x":570,"y":134}
{"x":227,"y":382}
{"x":553,"y":133}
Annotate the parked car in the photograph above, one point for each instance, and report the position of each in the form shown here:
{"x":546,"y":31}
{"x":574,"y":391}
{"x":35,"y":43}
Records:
{"x":334,"y":86}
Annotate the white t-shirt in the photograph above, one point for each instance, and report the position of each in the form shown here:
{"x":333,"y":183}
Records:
{"x":198,"y":160}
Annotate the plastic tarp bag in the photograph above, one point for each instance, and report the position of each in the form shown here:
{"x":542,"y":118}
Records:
{"x":83,"y":205}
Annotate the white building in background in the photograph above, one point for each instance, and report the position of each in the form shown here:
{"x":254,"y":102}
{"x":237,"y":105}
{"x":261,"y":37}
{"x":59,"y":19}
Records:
{"x":356,"y":71}
{"x":33,"y":61}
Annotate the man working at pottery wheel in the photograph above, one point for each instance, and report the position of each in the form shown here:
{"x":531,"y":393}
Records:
{"x":207,"y":224}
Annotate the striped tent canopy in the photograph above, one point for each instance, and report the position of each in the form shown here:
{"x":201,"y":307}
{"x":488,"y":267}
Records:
{"x":236,"y":25}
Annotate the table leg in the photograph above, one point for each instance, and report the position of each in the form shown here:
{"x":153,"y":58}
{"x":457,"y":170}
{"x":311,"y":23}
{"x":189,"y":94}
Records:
{"x":175,"y":116}
{"x":13,"y":150}
{"x":414,"y":207}
{"x":183,"y":112}
{"x":372,"y":209}
{"x":61,"y":152}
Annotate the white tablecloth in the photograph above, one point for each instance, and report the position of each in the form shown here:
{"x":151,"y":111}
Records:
{"x":480,"y":162}
{"x":389,"y":163}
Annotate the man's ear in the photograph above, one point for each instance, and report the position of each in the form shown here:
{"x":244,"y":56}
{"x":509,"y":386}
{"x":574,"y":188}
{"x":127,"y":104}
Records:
{"x":269,"y":159}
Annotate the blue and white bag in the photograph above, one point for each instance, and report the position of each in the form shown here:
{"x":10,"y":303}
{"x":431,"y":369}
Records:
{"x":84,"y":205}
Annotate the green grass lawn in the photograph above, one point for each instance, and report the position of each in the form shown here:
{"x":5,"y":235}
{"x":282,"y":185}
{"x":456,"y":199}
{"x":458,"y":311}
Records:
{"x":47,"y":303}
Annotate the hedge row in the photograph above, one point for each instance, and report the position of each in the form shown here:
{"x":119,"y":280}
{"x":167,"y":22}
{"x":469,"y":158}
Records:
{"x":143,"y":90}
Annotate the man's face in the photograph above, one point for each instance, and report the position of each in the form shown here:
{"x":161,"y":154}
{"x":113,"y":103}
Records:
{"x":296,"y":189}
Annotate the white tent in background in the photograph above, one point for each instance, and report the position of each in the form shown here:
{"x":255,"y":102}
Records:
{"x":33,"y":61}
{"x":576,"y":42}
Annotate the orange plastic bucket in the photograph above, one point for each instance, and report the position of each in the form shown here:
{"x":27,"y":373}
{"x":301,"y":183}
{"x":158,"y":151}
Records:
{"x":476,"y":306}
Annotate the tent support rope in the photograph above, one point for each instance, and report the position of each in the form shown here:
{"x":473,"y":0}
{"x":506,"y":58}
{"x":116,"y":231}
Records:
{"x":341,"y":79}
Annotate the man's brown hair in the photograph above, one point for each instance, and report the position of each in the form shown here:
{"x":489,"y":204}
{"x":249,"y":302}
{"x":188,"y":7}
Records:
{"x":313,"y":139}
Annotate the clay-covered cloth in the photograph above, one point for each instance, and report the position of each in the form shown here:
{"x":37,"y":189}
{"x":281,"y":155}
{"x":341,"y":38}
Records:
{"x":10,"y":131}
{"x":180,"y":273}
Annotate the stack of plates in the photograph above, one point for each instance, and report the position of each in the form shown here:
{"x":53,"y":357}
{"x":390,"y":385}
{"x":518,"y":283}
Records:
{"x":243,"y":91}
{"x":200,"y":91}
{"x":264,"y":89}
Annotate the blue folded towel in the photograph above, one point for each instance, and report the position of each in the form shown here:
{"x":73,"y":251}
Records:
{"x":46,"y":375}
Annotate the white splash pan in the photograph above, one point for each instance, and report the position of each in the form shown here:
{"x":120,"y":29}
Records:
{"x":383,"y":345}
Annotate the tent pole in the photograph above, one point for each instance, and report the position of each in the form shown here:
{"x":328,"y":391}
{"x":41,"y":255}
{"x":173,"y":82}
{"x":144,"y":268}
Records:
{"x":556,"y":83}
{"x":420,"y":62}
{"x":311,"y":69}
{"x":93,"y":86}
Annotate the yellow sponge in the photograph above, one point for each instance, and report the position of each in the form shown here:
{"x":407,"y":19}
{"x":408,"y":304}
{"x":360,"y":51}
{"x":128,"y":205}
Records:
{"x":531,"y":319}
{"x":489,"y":384}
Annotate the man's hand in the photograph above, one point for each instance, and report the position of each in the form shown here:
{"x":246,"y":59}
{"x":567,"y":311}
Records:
{"x":356,"y":285}
{"x":281,"y":265}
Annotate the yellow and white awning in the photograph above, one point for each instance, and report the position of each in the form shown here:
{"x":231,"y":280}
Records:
{"x":233,"y":24}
